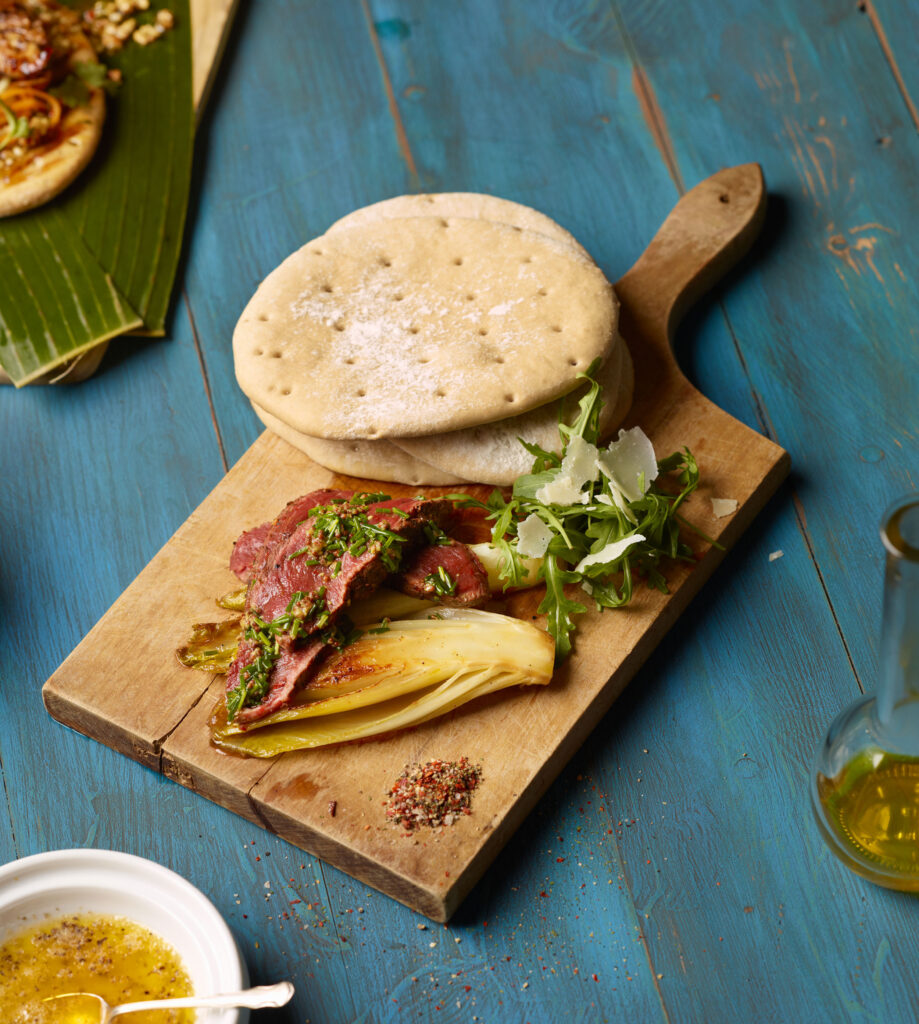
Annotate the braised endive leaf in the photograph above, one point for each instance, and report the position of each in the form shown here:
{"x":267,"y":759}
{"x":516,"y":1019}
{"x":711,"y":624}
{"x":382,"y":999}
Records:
{"x":100,"y":259}
{"x":415,"y":669}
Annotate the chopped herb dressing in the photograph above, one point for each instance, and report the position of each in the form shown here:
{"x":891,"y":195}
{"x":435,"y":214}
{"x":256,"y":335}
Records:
{"x":343,"y":528}
{"x":440,"y":583}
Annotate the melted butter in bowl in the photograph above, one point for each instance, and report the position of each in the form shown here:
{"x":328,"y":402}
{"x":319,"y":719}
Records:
{"x":111,"y":956}
{"x":111,"y":923}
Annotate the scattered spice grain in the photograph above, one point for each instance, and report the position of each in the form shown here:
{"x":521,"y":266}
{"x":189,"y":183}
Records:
{"x":432,"y":795}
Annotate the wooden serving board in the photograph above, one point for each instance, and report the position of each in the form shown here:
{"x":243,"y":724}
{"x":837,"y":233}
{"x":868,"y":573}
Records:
{"x":124,"y":687}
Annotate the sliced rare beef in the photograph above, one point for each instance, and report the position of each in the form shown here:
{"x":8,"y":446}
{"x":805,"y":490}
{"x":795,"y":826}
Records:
{"x":301,"y":563}
{"x":256,"y":544}
{"x":294,"y":665}
{"x":449,"y":573}
{"x":310,"y":566}
{"x":246,"y":550}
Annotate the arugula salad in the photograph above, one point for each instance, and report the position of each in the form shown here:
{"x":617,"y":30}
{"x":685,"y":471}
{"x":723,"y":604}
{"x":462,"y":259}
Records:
{"x":586,"y":515}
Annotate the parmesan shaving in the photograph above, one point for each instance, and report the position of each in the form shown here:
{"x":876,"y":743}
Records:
{"x":722,"y":507}
{"x":610,"y":553}
{"x":533,"y":537}
{"x":630,"y":463}
{"x":622,"y":504}
{"x":579,"y":466}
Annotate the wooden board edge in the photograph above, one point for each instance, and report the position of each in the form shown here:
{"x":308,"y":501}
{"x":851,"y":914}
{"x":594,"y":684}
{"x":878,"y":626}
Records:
{"x":224,"y":794}
{"x":440,"y":905}
{"x":606,"y":697}
{"x":208,"y":46}
{"x":354,"y":863}
{"x":84,"y":721}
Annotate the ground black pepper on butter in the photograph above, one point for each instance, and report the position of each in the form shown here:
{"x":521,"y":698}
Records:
{"x":111,"y":956}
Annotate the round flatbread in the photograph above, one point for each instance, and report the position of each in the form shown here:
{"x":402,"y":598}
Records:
{"x":368,"y":460}
{"x":421,"y":325}
{"x":461,"y":204}
{"x":492,"y":454}
{"x":58,"y":133}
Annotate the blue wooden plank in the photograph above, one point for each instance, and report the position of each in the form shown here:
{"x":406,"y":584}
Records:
{"x":894,"y":27}
{"x":832,"y":294}
{"x":839,"y":397}
{"x":538,"y":104}
{"x":300,"y":131}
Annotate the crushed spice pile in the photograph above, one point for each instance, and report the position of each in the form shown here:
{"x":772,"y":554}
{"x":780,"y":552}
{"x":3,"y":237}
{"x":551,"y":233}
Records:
{"x":432,"y":795}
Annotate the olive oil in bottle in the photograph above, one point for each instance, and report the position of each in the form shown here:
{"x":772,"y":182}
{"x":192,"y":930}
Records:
{"x":865,"y":788}
{"x":873,"y":807}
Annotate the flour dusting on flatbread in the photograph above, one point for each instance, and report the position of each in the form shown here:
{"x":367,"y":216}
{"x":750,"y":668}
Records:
{"x":386,"y":329}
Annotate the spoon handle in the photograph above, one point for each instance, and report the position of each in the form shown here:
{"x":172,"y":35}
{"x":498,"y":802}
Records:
{"x":253,"y":999}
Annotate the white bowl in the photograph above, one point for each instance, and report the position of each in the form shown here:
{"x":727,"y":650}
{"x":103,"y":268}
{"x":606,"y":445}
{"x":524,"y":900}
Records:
{"x":106,"y":882}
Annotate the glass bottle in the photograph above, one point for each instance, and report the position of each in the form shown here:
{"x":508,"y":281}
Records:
{"x":865,"y":786}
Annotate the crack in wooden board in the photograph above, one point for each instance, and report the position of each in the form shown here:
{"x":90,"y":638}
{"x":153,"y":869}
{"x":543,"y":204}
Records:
{"x":523,"y":738}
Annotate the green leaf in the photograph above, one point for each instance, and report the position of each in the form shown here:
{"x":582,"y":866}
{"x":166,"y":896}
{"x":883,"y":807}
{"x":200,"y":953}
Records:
{"x":131,"y":209}
{"x":542,"y":459}
{"x":558,"y":607}
{"x":73,"y":91}
{"x":512,"y":568}
{"x":56,"y":300}
{"x":527,"y":485}
{"x":100,"y":260}
{"x":607,"y":595}
{"x":587,"y":425}
{"x":95,"y":75}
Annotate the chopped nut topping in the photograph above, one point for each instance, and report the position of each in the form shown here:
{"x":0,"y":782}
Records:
{"x":111,"y":23}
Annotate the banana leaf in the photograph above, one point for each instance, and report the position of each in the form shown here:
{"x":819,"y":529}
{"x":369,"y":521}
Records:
{"x":100,"y":260}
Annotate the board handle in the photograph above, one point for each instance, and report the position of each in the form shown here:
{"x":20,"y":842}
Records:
{"x":707,"y":232}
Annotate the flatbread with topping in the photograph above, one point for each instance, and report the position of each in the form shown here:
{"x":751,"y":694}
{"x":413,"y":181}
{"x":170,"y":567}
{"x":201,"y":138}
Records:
{"x":413,"y":326}
{"x":50,"y":116}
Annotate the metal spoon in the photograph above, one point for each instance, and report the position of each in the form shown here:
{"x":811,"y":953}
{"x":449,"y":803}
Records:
{"x":251,"y":998}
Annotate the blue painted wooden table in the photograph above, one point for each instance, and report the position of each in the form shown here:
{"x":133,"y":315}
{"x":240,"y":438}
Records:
{"x":673,"y":871}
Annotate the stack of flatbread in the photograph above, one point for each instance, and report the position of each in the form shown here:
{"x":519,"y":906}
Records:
{"x":419,"y":338}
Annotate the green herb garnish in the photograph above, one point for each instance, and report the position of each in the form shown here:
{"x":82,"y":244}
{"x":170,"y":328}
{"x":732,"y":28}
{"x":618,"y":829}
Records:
{"x":17,"y":127}
{"x":602,"y":531}
{"x":254,"y":679}
{"x":441,"y":582}
{"x":344,"y":528}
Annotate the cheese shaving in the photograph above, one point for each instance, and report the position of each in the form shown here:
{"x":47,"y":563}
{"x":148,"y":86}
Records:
{"x":579,"y":466}
{"x":722,"y":507}
{"x":630,"y":463}
{"x":533,"y":537}
{"x":610,"y":553}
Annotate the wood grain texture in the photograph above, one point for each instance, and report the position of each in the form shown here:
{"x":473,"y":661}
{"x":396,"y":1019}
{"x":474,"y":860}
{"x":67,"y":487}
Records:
{"x":544,"y":112}
{"x":700,"y":766}
{"x":210,"y":25}
{"x":709,"y":229}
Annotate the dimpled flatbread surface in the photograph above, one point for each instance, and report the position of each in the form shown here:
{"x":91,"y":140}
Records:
{"x":366,"y":460}
{"x":492,"y":453}
{"x":421,"y":325}
{"x":478,"y":205}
